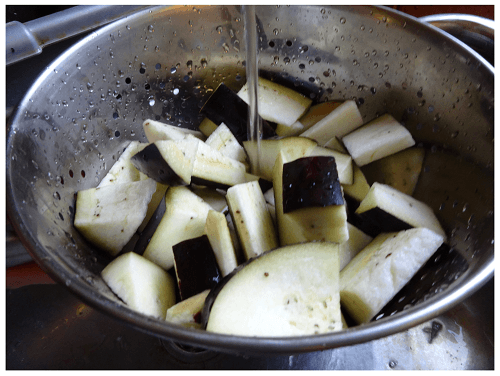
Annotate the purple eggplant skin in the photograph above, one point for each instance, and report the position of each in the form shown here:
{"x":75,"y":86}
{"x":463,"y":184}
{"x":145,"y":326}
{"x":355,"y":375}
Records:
{"x":150,"y":162}
{"x":311,"y":182}
{"x":225,"y":106}
{"x":196,"y":266}
{"x":375,"y":221}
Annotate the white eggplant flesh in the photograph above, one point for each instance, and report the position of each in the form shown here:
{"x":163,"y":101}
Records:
{"x":400,"y":170}
{"x":317,"y":113}
{"x":341,"y":121}
{"x":109,"y":216}
{"x":219,"y":236}
{"x":207,"y":127}
{"x":180,"y":155}
{"x":335,"y":144}
{"x":142,"y":285}
{"x":184,"y":218}
{"x":211,"y":166}
{"x":269,"y":196}
{"x":327,"y":223}
{"x":388,"y":201}
{"x":381,"y":269}
{"x":295,"y":147}
{"x":156,"y":131}
{"x":187,"y":312}
{"x":223,"y":140}
{"x":377,"y":139}
{"x":216,"y":198}
{"x":292,"y":130}
{"x":343,"y":161}
{"x":357,"y":241}
{"x":252,"y":220}
{"x":277,"y":103}
{"x":123,"y":171}
{"x":289,"y":291}
{"x":359,"y":187}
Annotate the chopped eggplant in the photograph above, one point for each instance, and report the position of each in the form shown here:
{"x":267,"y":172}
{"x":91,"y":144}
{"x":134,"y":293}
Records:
{"x":277,"y":103}
{"x":328,"y":223}
{"x":109,"y":216}
{"x":184,"y":218}
{"x":385,"y":209}
{"x":213,"y":197}
{"x":187,"y":313}
{"x":288,"y":291}
{"x":252,"y":220}
{"x":341,"y":121}
{"x":311,"y":182}
{"x":156,"y":131}
{"x":219,"y":235}
{"x":166,"y":162}
{"x":225,"y":106}
{"x":382,"y":268}
{"x":342,"y":160}
{"x":207,"y":127}
{"x":400,"y":170}
{"x":195,"y":266}
{"x":318,"y":112}
{"x":123,"y":171}
{"x":269,"y":149}
{"x":142,"y":285}
{"x":223,"y":140}
{"x":357,"y":241}
{"x":377,"y":139}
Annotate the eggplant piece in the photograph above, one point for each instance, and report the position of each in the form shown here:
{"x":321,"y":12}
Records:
{"x":382,"y":268}
{"x":311,"y":182}
{"x":341,"y":121}
{"x":357,"y":241}
{"x":385,"y":209}
{"x":277,"y":103}
{"x":219,"y":235}
{"x":109,"y":216}
{"x":152,"y":162}
{"x":328,"y":223}
{"x":156,"y":131}
{"x":142,"y":285}
{"x":214,"y":169}
{"x":184,"y":218}
{"x":400,"y":170}
{"x":213,"y":197}
{"x":342,"y":160}
{"x":187,"y":313}
{"x":223,"y":140}
{"x":288,"y":291}
{"x":123,"y":170}
{"x":296,"y":147}
{"x":225,"y":106}
{"x":207,"y":127}
{"x":252,"y":220}
{"x":377,"y":139}
{"x":195,"y":266}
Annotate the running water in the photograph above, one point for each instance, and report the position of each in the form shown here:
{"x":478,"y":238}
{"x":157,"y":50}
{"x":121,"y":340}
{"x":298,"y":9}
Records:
{"x":254,"y":126}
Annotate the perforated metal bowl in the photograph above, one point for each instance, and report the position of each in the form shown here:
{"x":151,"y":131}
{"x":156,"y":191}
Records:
{"x":163,"y":63}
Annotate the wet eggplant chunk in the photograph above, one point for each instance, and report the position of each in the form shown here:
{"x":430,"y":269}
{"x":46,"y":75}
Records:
{"x":311,"y":182}
{"x":150,"y":162}
{"x":195,"y":266}
{"x":225,"y":106}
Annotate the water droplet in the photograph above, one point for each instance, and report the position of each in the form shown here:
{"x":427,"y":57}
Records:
{"x":151,"y":28}
{"x":225,"y":47}
{"x":342,"y":20}
{"x":276,"y":31}
{"x":219,"y":29}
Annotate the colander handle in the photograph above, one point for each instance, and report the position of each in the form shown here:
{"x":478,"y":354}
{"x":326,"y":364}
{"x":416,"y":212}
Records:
{"x":476,"y":32}
{"x":28,"y":39}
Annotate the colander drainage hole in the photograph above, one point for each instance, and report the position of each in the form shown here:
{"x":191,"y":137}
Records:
{"x":128,"y":80}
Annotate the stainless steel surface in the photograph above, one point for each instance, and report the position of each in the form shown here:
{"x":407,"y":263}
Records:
{"x":77,"y":117}
{"x":68,"y":334}
{"x":476,"y":32}
{"x":24,"y":40}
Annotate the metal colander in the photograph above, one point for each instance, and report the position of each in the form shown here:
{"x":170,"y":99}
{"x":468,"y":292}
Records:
{"x":163,"y":63}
